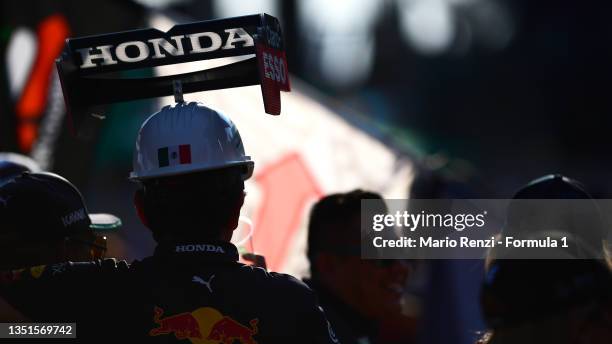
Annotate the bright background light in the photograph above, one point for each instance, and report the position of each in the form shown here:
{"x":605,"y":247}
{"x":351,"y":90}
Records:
{"x":306,"y":152}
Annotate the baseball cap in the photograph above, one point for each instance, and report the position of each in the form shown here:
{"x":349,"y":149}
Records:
{"x":42,"y":206}
{"x":13,"y":164}
{"x":553,"y":186}
{"x":556,"y":202}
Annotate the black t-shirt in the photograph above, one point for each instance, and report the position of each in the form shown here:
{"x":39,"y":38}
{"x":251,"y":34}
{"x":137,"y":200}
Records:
{"x":349,"y":326}
{"x":186,"y":292}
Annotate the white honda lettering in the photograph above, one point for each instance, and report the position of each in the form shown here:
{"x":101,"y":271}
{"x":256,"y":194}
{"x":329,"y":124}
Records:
{"x":161,"y":43}
{"x":243,"y":36}
{"x":196,"y":43}
{"x":87,"y":56}
{"x":201,"y":42}
{"x":143,"y":51}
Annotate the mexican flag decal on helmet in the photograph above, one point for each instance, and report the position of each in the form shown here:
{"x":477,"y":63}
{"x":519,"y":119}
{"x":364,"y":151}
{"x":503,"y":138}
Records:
{"x":174,"y":155}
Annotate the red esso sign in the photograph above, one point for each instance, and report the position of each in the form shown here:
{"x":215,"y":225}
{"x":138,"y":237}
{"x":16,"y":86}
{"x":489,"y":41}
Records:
{"x":275,"y":68}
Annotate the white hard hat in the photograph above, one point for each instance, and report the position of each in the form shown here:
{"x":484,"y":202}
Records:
{"x":186,"y":138}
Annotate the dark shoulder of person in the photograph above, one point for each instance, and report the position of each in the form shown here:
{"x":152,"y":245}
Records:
{"x":283,"y":289}
{"x":58,"y":291}
{"x":292,"y":305}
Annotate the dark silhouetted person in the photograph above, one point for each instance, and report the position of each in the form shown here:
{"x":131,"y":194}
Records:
{"x":356,"y":294}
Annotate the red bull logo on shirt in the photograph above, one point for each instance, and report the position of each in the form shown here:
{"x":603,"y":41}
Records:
{"x":205,"y":325}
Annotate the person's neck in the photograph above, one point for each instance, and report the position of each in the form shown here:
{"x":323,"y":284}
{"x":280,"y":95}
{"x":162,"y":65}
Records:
{"x":224,"y":236}
{"x":195,"y":239}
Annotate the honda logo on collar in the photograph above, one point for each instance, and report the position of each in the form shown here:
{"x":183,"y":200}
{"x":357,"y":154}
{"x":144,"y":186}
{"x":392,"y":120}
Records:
{"x":199,"y":248}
